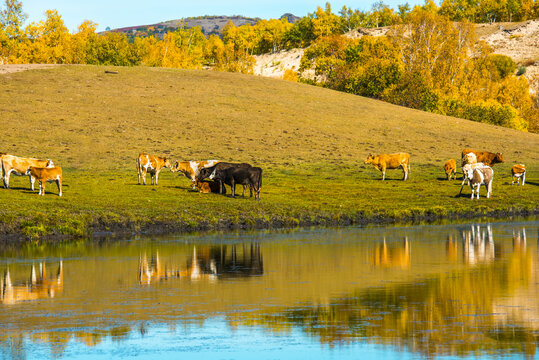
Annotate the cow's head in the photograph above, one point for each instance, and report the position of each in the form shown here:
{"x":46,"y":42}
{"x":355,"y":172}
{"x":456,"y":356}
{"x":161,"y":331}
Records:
{"x":203,"y":173}
{"x":369,"y":159}
{"x":50,"y":164}
{"x":28,"y":170}
{"x":175,"y":167}
{"x":498,"y":158}
{"x":166,"y":162}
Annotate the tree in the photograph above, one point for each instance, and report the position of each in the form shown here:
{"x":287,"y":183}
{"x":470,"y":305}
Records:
{"x":12,"y":19}
{"x":325,"y":22}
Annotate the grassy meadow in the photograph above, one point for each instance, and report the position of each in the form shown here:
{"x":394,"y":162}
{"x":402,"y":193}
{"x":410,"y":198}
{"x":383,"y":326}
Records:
{"x":311,"y":143}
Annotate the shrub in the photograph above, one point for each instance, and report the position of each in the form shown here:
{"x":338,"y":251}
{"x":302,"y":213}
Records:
{"x":521,"y":70}
{"x":504,"y":65}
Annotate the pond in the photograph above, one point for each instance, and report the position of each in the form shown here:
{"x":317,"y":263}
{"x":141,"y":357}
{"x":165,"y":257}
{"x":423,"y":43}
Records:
{"x":436,"y":291}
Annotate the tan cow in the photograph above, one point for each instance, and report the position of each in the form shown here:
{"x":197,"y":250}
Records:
{"x":390,"y":161}
{"x":450,"y":168}
{"x":487,"y":158}
{"x":207,"y":187}
{"x":518,"y":171}
{"x":191,"y":169}
{"x":19,"y":166}
{"x":151,"y":164}
{"x":45,"y":175}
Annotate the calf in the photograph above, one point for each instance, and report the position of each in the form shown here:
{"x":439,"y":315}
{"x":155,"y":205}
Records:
{"x":206,"y":187}
{"x":206,"y":172}
{"x":518,"y":171}
{"x":480,"y":176}
{"x":151,"y":164}
{"x":191,"y":169}
{"x":251,"y":176}
{"x":390,"y":161}
{"x":487,"y":158}
{"x":46,"y":174}
{"x":18,"y":166}
{"x":469,"y":158}
{"x":450,"y":168}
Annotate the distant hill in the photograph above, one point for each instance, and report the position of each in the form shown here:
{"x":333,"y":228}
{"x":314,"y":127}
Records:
{"x":209,"y":24}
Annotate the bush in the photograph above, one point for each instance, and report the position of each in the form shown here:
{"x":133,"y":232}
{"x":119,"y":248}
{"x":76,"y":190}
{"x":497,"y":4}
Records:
{"x":504,"y":65}
{"x":521,"y":70}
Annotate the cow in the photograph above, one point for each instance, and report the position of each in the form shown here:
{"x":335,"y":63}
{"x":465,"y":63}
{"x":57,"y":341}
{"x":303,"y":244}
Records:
{"x":191,"y":169}
{"x":206,"y":172}
{"x":480,"y":176}
{"x":19,"y":166}
{"x":251,"y":176}
{"x":46,"y":174}
{"x":390,"y":161}
{"x":469,"y":158}
{"x":450,"y":168}
{"x":487,"y":158}
{"x":467,"y":168}
{"x":518,"y":171}
{"x":206,"y":187}
{"x":151,"y":164}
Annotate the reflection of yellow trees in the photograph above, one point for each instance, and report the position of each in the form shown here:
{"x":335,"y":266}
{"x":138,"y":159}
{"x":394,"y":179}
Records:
{"x":454,"y":313}
{"x":38,"y":287}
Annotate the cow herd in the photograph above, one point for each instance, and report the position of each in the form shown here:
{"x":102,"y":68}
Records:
{"x":211,"y":176}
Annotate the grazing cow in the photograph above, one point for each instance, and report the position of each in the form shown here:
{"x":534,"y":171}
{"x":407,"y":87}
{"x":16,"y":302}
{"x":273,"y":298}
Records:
{"x":151,"y":164}
{"x":518,"y":171}
{"x":466,"y":168}
{"x":480,"y":176}
{"x":46,"y":174}
{"x":390,"y":161}
{"x":469,"y":158}
{"x":206,"y":172}
{"x":191,"y":169}
{"x":19,"y":166}
{"x":487,"y":158}
{"x":251,"y":176}
{"x":450,"y":168}
{"x":207,"y":187}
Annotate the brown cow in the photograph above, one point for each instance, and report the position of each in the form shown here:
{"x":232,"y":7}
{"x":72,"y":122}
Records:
{"x":390,"y":161}
{"x":518,"y":171}
{"x":485,"y":157}
{"x":207,"y":187}
{"x":191,"y":169}
{"x":46,"y":174}
{"x":19,"y":166}
{"x":150,"y":164}
{"x":450,"y":168}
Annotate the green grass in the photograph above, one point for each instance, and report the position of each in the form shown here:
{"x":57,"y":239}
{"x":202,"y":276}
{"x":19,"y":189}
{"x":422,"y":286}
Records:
{"x":311,"y":143}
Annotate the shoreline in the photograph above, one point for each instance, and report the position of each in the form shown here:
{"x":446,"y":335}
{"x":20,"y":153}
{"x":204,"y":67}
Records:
{"x":100,"y":230}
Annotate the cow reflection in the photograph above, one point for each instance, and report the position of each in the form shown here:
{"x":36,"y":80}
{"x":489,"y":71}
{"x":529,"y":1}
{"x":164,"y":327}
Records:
{"x":478,"y":245}
{"x":451,"y":248}
{"x":37,"y":287}
{"x":394,"y":255}
{"x":519,"y":241}
{"x":210,"y":263}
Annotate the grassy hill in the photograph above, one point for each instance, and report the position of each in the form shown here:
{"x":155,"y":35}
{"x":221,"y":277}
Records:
{"x":310,"y":141}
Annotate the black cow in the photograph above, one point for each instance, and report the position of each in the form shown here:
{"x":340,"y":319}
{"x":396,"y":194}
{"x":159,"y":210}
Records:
{"x":251,"y":176}
{"x":206,"y":172}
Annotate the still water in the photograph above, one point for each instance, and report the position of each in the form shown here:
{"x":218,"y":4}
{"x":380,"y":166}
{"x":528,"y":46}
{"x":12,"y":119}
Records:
{"x":438,"y":291}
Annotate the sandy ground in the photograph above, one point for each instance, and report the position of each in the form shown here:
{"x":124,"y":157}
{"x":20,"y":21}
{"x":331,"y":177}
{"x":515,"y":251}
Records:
{"x":11,"y":68}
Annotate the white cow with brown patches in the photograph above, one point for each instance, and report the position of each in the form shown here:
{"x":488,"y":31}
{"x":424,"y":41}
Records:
{"x":151,"y":164}
{"x":518,"y":171}
{"x":191,"y":169}
{"x":480,"y":176}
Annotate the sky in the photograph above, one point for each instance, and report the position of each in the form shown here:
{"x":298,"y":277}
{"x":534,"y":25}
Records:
{"x":121,"y":13}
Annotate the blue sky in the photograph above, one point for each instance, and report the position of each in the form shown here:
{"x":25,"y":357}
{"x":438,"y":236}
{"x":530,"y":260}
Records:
{"x":120,"y":13}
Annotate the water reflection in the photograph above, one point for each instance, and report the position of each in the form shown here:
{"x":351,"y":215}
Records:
{"x":211,"y":262}
{"x":468,"y":290}
{"x":34,"y":288}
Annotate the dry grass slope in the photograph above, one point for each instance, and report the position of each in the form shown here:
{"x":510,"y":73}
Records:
{"x":310,"y":141}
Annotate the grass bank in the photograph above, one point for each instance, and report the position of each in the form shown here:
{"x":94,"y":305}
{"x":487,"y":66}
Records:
{"x":311,"y":143}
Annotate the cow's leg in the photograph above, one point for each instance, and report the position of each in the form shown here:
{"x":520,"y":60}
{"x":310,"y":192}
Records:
{"x":156,"y":177}
{"x":138,"y":173}
{"x":233,"y":187}
{"x":59,"y":184}
{"x":32,"y":181}
{"x":383,"y":173}
{"x":478,"y":188}
{"x":243,"y":193}
{"x":193,"y":182}
{"x":144,"y":176}
{"x":513,"y":182}
{"x":405,"y":169}
{"x":489,"y":188}
{"x":6,"y":179}
{"x":42,"y":187}
{"x":523,"y":178}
